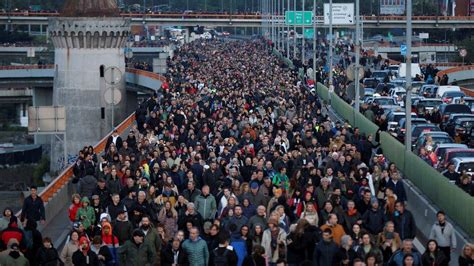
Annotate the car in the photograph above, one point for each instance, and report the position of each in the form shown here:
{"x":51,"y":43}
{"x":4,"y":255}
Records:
{"x":416,"y":130}
{"x":442,"y":89}
{"x":385,"y":102}
{"x":370,"y":83}
{"x":454,"y":153}
{"x":426,"y":104}
{"x":394,"y":69}
{"x":448,"y":96}
{"x":447,"y":109}
{"x":400,"y":131}
{"x":463,"y":165}
{"x":428,"y":91}
{"x":397,"y":92}
{"x":441,"y":149}
{"x":463,"y":126}
{"x":469,"y":101}
{"x":394,"y":116}
{"x":383,"y":87}
{"x":380,"y":75}
{"x":448,"y":126}
{"x":437,"y":137}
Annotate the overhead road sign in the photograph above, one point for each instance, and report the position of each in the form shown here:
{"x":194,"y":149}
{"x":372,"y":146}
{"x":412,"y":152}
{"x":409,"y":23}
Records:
{"x":298,"y":18}
{"x":342,"y":14}
{"x":403,"y":49}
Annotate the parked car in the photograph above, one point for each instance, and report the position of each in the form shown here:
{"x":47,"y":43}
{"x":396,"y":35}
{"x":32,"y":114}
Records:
{"x":454,"y":153}
{"x":441,"y":149}
{"x":442,"y":89}
{"x":447,"y":109}
{"x":469,"y":101}
{"x":448,"y":96}
{"x":437,"y":137}
{"x":400,"y":131}
{"x":426,"y":104}
{"x":417,"y":130}
{"x":393,"y":117}
{"x":463,"y":165}
{"x":380,"y":75}
{"x":428,"y":91}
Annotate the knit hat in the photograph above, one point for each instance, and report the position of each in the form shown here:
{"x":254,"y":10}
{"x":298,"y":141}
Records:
{"x":138,"y":232}
{"x":254,"y":185}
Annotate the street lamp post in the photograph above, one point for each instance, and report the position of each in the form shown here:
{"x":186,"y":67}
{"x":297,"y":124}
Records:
{"x":331,"y":43}
{"x":294,"y":30}
{"x":302,"y":33}
{"x":357,"y":57}
{"x":314,"y":42}
{"x":287,"y":32}
{"x":408,"y":78}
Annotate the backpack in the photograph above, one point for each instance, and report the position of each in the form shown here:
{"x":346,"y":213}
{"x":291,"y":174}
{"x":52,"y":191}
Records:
{"x":220,"y":259}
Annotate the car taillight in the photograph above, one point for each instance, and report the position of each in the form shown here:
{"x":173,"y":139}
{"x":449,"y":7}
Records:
{"x":447,"y":99}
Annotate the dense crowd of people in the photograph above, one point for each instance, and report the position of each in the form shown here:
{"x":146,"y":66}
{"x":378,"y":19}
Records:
{"x":234,"y":162}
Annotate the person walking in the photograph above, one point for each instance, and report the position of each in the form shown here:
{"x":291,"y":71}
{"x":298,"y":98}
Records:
{"x":196,"y":248}
{"x":33,"y":207}
{"x":136,"y":252}
{"x":443,"y":233}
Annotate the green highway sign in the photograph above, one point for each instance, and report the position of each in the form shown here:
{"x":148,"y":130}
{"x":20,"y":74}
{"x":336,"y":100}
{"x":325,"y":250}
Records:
{"x":298,"y":18}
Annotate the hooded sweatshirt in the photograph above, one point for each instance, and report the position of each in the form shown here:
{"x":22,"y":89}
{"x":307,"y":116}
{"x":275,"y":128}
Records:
{"x":86,"y":214}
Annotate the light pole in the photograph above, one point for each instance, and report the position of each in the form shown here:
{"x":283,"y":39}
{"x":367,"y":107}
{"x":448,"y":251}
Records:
{"x":408,"y":78}
{"x":357,"y":57}
{"x":287,"y":32}
{"x":314,"y":43}
{"x":294,"y":30}
{"x":302,"y":32}
{"x":331,"y":43}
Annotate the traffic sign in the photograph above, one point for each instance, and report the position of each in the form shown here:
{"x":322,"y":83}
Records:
{"x":112,"y":75}
{"x":462,"y":52}
{"x":403,"y":49}
{"x":298,"y":18}
{"x":342,"y":14}
{"x":112,"y":96}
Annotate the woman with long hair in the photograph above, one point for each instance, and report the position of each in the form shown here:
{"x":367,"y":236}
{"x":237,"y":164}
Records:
{"x":168,"y":216}
{"x":433,"y":256}
{"x":467,"y":256}
{"x":69,"y":248}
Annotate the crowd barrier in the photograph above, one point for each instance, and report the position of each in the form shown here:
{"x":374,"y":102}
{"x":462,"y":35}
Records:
{"x":457,"y":204}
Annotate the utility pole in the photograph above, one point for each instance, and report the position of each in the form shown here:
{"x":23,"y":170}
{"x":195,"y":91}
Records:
{"x":331,"y":44}
{"x":408,"y":78}
{"x":294,"y":30}
{"x":287,"y":32}
{"x":302,"y":33}
{"x":314,"y":43}
{"x":357,"y":56}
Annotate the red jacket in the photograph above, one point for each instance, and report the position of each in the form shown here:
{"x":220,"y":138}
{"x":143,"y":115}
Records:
{"x":73,"y":211}
{"x":12,"y":232}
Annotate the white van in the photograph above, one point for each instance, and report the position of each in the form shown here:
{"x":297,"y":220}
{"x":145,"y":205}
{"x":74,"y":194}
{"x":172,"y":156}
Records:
{"x":443,"y":89}
{"x":415,"y":70}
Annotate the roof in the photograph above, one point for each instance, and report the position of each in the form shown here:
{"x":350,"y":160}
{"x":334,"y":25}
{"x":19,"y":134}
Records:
{"x":464,"y":159}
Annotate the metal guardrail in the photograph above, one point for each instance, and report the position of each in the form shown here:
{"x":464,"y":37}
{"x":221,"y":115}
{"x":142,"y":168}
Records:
{"x":25,"y":67}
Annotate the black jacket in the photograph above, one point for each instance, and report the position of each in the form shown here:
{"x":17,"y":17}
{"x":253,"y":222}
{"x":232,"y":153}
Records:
{"x":324,"y":253}
{"x":405,"y":225}
{"x":33,"y":209}
{"x":167,"y":257}
{"x":232,"y":258}
{"x":78,"y":258}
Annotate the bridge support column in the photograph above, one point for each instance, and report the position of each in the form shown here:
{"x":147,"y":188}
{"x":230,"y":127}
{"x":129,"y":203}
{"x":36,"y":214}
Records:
{"x":22,"y":114}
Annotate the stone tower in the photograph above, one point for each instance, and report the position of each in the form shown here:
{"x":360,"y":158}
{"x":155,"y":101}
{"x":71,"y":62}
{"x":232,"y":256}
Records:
{"x":88,"y":37}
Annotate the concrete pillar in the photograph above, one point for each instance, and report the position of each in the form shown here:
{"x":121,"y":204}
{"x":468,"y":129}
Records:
{"x":29,"y":29}
{"x":79,"y":84}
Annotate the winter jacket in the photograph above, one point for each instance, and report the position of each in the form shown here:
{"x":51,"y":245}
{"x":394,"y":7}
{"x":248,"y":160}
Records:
{"x":153,"y":240}
{"x":324,"y":253}
{"x":131,"y":254}
{"x":113,"y":185}
{"x":13,"y":259}
{"x":446,"y":237}
{"x":337,"y":232}
{"x":86,"y":214}
{"x":47,"y":257}
{"x":256,"y":219}
{"x":167,"y":257}
{"x":267,"y":244}
{"x":374,"y":220}
{"x":405,"y":225}
{"x":33,"y":209}
{"x":123,"y":230}
{"x":206,"y":206}
{"x":87,"y":185}
{"x":67,"y":252}
{"x":197,"y":251}
{"x":256,"y":200}
{"x":169,"y":222}
{"x":397,"y":258}
{"x":72,"y":211}
{"x":90,"y":259}
{"x":191,"y":195}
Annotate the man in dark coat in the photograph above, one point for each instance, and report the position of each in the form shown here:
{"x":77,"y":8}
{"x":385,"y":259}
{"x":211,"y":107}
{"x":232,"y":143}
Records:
{"x":404,"y":222}
{"x":115,"y":139}
{"x":325,"y":250}
{"x":33,"y":207}
{"x":174,"y":254}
